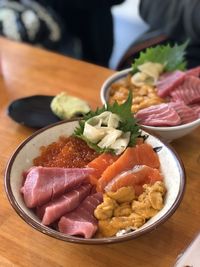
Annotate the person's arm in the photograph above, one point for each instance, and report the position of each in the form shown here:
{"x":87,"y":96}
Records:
{"x":177,"y":18}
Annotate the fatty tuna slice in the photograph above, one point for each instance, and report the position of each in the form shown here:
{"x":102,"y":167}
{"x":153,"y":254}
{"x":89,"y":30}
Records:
{"x":196,"y":108}
{"x":53,"y":210}
{"x":81,"y":221}
{"x":193,"y":72}
{"x":159,"y":115}
{"x":169,"y":81}
{"x":186,"y":113}
{"x":146,"y":112}
{"x":43,"y":184}
{"x":189,"y":91}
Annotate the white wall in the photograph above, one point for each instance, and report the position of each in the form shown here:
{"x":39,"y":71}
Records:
{"x":127,"y":27}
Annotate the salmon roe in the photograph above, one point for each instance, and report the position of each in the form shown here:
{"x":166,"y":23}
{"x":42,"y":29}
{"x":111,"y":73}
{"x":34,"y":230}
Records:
{"x":67,"y":152}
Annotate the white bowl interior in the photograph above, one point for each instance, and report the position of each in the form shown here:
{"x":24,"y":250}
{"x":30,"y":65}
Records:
{"x":22,"y":160}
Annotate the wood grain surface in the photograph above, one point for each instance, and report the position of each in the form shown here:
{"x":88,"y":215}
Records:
{"x":29,"y":71}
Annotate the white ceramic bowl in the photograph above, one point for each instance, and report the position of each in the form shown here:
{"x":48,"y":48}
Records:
{"x":21,"y":160}
{"x":165,"y":133}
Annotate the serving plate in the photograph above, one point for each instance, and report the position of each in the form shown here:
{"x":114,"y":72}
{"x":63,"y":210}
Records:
{"x":33,"y":111}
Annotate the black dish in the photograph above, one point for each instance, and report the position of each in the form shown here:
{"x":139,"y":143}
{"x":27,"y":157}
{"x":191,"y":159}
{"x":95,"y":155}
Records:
{"x":33,"y":111}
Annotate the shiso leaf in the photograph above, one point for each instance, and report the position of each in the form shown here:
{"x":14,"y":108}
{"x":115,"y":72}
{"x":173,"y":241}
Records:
{"x":172,"y":57}
{"x":127,"y":124}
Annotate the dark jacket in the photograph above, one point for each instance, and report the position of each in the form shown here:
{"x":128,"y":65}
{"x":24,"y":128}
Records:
{"x":91,"y":21}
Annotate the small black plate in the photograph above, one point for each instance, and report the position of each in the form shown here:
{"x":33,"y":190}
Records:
{"x":33,"y":111}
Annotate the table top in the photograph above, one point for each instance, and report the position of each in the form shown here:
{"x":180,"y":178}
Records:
{"x":28,"y":71}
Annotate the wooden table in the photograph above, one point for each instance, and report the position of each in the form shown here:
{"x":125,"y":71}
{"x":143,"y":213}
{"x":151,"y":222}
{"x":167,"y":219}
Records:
{"x":28,"y":71}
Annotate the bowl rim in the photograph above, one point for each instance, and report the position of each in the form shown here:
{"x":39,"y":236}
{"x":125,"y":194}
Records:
{"x":119,"y":75}
{"x":92,"y":241}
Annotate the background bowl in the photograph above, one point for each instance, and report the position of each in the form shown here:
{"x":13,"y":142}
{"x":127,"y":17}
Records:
{"x":165,"y":133}
{"x":21,"y":160}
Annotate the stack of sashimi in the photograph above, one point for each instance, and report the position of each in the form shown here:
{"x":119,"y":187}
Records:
{"x":67,"y":197}
{"x":182,"y":90}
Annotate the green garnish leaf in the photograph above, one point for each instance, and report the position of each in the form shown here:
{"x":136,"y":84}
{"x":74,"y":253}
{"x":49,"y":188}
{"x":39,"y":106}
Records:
{"x":127,"y":124}
{"x":172,"y":57}
{"x":123,"y":110}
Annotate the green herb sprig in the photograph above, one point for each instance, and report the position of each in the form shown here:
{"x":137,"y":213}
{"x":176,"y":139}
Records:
{"x":172,"y":57}
{"x":127,"y":124}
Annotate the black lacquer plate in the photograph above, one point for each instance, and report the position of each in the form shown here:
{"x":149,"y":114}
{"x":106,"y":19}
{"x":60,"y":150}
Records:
{"x":33,"y":111}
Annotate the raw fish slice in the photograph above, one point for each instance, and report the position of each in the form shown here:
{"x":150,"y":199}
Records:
{"x":43,"y":184}
{"x":152,"y":110}
{"x":147,"y":156}
{"x":186,"y":113}
{"x":137,"y":177}
{"x":56,"y":208}
{"x":169,"y":81}
{"x":77,"y":228}
{"x":193,"y":72}
{"x":139,"y":155}
{"x":81,"y":221}
{"x":189,"y":91}
{"x":159,"y":115}
{"x":99,"y":165}
{"x":196,"y":108}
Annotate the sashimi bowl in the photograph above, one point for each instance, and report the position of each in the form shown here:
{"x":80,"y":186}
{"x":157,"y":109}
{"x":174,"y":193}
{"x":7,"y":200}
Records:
{"x":26,"y":156}
{"x":163,"y":116}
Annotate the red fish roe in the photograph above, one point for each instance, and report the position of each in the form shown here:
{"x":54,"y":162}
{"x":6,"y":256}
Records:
{"x":67,"y":152}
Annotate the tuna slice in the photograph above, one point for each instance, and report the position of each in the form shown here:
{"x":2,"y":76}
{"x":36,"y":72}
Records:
{"x":146,"y":112}
{"x":193,"y":72}
{"x":136,"y":177}
{"x":159,"y":115}
{"x":142,"y":154}
{"x":43,"y":184}
{"x":196,"y":108}
{"x":189,"y":91}
{"x":169,"y":81}
{"x":81,"y":221}
{"x":186,"y":113}
{"x":56,"y":208}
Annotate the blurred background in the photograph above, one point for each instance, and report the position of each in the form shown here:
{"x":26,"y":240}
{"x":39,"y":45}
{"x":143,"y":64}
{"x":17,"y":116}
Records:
{"x":94,"y":31}
{"x":100,"y":31}
{"x":128,"y":26}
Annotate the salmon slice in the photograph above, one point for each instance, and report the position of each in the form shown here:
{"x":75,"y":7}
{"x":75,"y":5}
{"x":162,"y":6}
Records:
{"x":142,"y":154}
{"x":137,"y":177}
{"x":99,"y":165}
{"x":139,"y":141}
{"x":147,"y":156}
